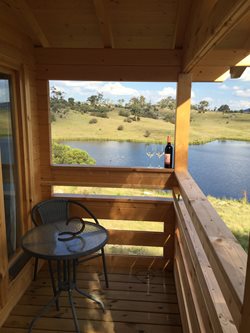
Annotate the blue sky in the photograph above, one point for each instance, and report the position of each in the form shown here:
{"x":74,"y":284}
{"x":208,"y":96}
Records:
{"x":234,"y":92}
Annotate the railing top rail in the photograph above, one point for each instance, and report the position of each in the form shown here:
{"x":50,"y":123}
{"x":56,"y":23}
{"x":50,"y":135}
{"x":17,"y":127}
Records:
{"x":226,"y":256}
{"x":109,"y":177}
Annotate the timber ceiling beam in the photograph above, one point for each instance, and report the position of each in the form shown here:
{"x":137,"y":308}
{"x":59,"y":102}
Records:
{"x":203,"y":35}
{"x":236,"y":71}
{"x":36,"y":33}
{"x":108,"y":57}
{"x":104,"y":23}
{"x":228,"y":58}
{"x":108,"y":64}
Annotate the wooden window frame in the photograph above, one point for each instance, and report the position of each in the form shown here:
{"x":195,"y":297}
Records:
{"x":19,"y":134}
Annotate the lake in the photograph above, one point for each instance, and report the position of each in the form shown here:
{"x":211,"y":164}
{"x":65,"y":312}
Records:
{"x":221,"y":168}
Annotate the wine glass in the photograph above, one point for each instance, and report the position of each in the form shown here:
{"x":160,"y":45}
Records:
{"x":159,"y":153}
{"x":150,"y":151}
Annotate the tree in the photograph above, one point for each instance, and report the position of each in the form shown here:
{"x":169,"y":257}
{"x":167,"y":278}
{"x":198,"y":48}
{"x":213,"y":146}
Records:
{"x":98,"y":106}
{"x":62,"y":154}
{"x":58,"y":105}
{"x":71,"y":102}
{"x":96,"y":100}
{"x":224,"y":108}
{"x":168,"y":102}
{"x":136,"y":106}
{"x":120,"y":102}
{"x":203,"y":106}
{"x":140,"y":108}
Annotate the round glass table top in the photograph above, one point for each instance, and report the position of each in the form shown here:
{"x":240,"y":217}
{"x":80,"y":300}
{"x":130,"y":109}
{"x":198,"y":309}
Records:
{"x":44,"y":241}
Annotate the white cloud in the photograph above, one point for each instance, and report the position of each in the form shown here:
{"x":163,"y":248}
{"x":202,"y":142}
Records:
{"x":167,"y":91}
{"x":88,"y":85}
{"x":239,"y":104}
{"x":242,"y":92}
{"x":246,"y":75}
{"x":223,"y":87}
{"x":208,"y":99}
{"x":116,"y":88}
{"x":245,"y":104}
{"x":83,"y":88}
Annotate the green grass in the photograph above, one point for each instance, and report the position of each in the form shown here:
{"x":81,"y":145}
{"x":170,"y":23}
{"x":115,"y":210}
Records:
{"x":235,"y":213}
{"x":106,"y":128}
{"x":205,"y":127}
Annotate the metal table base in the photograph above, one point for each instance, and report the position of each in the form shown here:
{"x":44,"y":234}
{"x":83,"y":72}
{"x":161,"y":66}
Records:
{"x":66,"y":281}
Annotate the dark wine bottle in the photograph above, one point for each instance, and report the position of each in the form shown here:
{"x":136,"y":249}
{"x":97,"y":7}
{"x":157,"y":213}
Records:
{"x":168,"y":162}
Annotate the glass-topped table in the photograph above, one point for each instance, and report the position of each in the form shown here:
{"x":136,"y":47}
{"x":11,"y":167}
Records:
{"x":64,"y":244}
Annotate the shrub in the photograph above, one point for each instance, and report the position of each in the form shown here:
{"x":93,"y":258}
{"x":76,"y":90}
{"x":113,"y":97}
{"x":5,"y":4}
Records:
{"x":99,"y":114}
{"x":62,"y":154}
{"x":120,"y":128}
{"x":170,"y":117}
{"x":124,"y":113}
{"x":52,"y":117}
{"x":128,"y":120}
{"x":93,"y":121}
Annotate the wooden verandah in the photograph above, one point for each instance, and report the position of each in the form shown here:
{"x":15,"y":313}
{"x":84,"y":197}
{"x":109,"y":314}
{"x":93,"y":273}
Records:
{"x":177,"y":41}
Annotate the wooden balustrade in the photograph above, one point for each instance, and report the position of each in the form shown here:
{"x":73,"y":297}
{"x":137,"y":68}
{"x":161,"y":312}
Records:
{"x":210,"y":264}
{"x":132,"y":208}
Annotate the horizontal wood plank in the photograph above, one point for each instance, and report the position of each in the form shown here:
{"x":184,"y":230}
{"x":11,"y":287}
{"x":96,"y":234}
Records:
{"x":142,"y":238}
{"x":107,"y":57}
{"x":130,"y":307}
{"x":219,"y":244}
{"x":109,"y":73}
{"x":110,"y":177}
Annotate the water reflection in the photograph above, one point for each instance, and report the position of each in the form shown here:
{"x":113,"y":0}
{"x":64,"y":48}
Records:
{"x":220,"y":168}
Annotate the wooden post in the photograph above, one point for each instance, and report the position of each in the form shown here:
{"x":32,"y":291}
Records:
{"x":182,"y":121}
{"x":45,"y":134}
{"x":245,"y":318}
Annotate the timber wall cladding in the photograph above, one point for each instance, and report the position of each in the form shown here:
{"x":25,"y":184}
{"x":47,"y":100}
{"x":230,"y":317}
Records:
{"x":16,"y":55}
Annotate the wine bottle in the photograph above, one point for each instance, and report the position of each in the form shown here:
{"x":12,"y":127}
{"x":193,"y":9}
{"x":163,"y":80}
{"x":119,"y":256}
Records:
{"x":168,"y":153}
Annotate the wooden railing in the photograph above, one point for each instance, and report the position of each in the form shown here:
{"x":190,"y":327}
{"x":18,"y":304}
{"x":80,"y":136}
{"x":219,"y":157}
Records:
{"x":210,"y":264}
{"x":131,"y":209}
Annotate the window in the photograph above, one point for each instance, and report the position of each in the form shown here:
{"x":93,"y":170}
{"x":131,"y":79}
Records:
{"x":111,"y":123}
{"x":9,"y":164}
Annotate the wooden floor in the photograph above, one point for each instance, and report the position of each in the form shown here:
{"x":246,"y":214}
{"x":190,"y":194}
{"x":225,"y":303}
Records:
{"x":135,"y":303}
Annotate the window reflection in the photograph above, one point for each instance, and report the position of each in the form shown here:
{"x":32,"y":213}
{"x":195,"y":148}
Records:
{"x":8,"y":164}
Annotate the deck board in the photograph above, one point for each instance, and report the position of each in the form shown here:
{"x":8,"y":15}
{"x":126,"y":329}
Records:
{"x":134,"y":303}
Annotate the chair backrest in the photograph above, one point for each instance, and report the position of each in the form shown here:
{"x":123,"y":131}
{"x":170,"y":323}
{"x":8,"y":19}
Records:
{"x":50,"y":211}
{"x":54,"y":210}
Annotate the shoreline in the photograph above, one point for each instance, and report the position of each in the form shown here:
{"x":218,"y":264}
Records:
{"x":193,"y":143}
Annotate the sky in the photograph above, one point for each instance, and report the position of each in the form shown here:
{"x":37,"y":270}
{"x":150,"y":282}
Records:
{"x":233,"y":92}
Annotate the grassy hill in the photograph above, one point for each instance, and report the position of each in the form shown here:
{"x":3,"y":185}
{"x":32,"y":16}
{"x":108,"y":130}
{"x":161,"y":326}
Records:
{"x":205,"y":127}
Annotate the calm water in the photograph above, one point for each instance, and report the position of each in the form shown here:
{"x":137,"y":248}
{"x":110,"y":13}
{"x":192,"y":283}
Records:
{"x":221,"y":168}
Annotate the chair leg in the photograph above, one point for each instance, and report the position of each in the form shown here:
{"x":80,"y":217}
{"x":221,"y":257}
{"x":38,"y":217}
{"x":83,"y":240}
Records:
{"x":104,"y":268}
{"x":35,"y":269}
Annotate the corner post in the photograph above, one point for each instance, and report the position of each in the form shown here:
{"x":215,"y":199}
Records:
{"x":182,"y":121}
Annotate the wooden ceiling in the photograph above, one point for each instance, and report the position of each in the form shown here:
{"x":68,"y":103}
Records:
{"x":208,"y":37}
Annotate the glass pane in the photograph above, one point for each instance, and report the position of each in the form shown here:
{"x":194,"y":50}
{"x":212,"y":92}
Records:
{"x":8,"y":163}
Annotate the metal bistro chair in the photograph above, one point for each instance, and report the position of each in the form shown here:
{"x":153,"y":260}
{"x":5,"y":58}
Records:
{"x":55,"y":210}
